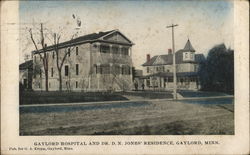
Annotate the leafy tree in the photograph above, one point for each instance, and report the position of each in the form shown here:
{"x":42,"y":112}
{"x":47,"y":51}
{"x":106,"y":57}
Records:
{"x":217,"y":71}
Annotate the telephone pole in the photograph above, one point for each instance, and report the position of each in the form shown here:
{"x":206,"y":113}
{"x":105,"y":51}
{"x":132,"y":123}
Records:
{"x":174,"y":65}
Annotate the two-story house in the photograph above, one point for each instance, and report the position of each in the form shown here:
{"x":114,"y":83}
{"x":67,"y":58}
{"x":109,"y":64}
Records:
{"x":94,"y":62}
{"x":158,"y":70}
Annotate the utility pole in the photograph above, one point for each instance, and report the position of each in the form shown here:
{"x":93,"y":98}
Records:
{"x":174,"y":64}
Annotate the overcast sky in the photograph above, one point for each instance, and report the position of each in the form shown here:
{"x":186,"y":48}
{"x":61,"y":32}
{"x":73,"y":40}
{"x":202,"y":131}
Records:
{"x":205,"y":23}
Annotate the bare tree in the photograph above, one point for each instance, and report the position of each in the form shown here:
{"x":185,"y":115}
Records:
{"x":43,"y":55}
{"x":61,"y":56}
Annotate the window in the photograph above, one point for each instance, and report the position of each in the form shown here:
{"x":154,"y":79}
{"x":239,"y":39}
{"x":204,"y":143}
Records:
{"x":77,"y":69}
{"x":104,"y":49}
{"x":66,"y":68}
{"x":105,"y":69}
{"x":116,"y":69}
{"x":101,"y":70}
{"x":96,"y":69}
{"x":170,"y":79}
{"x":25,"y":83}
{"x":126,"y":70}
{"x":34,"y":58}
{"x":115,"y":50}
{"x":39,"y":86}
{"x":147,"y":69}
{"x":40,"y":72}
{"x":76,"y":84}
{"x":52,"y":72}
{"x":69,"y":52}
{"x":125,"y":51}
{"x":157,"y":68}
{"x":53,"y":55}
{"x":186,"y":55}
{"x":76,"y":50}
{"x":122,"y":70}
{"x":34,"y":73}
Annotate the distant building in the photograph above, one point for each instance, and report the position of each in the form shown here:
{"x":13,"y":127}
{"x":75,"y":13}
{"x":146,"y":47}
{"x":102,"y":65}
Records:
{"x":158,"y":70}
{"x":25,"y":74}
{"x":98,"y":61}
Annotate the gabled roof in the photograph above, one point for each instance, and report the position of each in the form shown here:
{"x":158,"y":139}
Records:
{"x":26,"y":65}
{"x":84,"y":39}
{"x":168,"y":58}
{"x":188,"y":46}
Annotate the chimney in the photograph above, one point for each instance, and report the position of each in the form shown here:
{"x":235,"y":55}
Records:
{"x":148,"y":57}
{"x":169,"y":51}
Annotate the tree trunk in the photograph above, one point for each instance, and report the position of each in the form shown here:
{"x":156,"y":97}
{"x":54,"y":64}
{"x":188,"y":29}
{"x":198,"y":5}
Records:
{"x":60,"y":79}
{"x":46,"y":80}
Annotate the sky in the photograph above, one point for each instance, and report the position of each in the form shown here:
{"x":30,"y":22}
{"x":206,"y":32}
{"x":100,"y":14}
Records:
{"x":205,"y":23}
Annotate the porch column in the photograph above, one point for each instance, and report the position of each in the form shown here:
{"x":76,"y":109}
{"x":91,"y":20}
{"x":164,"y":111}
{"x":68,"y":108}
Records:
{"x":120,"y":50}
{"x":162,"y":82}
{"x":130,"y":51}
{"x":110,"y":50}
{"x":120,"y":75}
{"x":98,"y":46}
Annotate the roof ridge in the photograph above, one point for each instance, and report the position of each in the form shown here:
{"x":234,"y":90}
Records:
{"x":87,"y":37}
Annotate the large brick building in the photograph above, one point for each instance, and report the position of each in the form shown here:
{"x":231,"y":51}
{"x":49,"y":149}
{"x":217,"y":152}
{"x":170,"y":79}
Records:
{"x":158,"y":70}
{"x":94,"y":62}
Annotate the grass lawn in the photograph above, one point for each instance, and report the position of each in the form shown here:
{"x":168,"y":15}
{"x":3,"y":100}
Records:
{"x":129,"y":118}
{"x":67,"y":97}
{"x":32,"y":97}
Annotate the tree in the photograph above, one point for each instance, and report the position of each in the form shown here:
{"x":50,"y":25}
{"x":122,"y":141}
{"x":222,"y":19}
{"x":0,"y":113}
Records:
{"x":217,"y":72}
{"x":43,"y":55}
{"x":61,"y":55}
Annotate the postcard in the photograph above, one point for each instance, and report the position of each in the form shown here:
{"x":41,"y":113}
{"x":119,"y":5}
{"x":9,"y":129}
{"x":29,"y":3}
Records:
{"x":125,"y":77}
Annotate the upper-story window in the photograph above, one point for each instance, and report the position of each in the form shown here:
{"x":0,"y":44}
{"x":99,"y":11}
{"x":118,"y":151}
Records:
{"x":52,"y":72}
{"x":53,"y":55}
{"x":76,"y":50}
{"x":125,"y":51}
{"x":77,"y":69}
{"x":66,"y":70}
{"x":186,"y":55}
{"x":104,"y":49}
{"x":115,"y":50}
{"x":191,"y":56}
{"x":147,"y":69}
{"x":34,"y":58}
{"x":69,"y":52}
{"x":40,"y":72}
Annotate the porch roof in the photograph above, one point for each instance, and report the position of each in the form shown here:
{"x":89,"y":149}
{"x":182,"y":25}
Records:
{"x":170,"y":74}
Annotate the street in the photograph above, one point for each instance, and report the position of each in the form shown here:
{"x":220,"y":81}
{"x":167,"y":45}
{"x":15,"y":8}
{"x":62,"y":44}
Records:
{"x":207,"y":116}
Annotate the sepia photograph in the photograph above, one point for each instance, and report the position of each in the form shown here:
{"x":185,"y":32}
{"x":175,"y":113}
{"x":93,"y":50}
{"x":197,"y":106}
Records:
{"x":126,"y":68}
{"x":124,"y":77}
